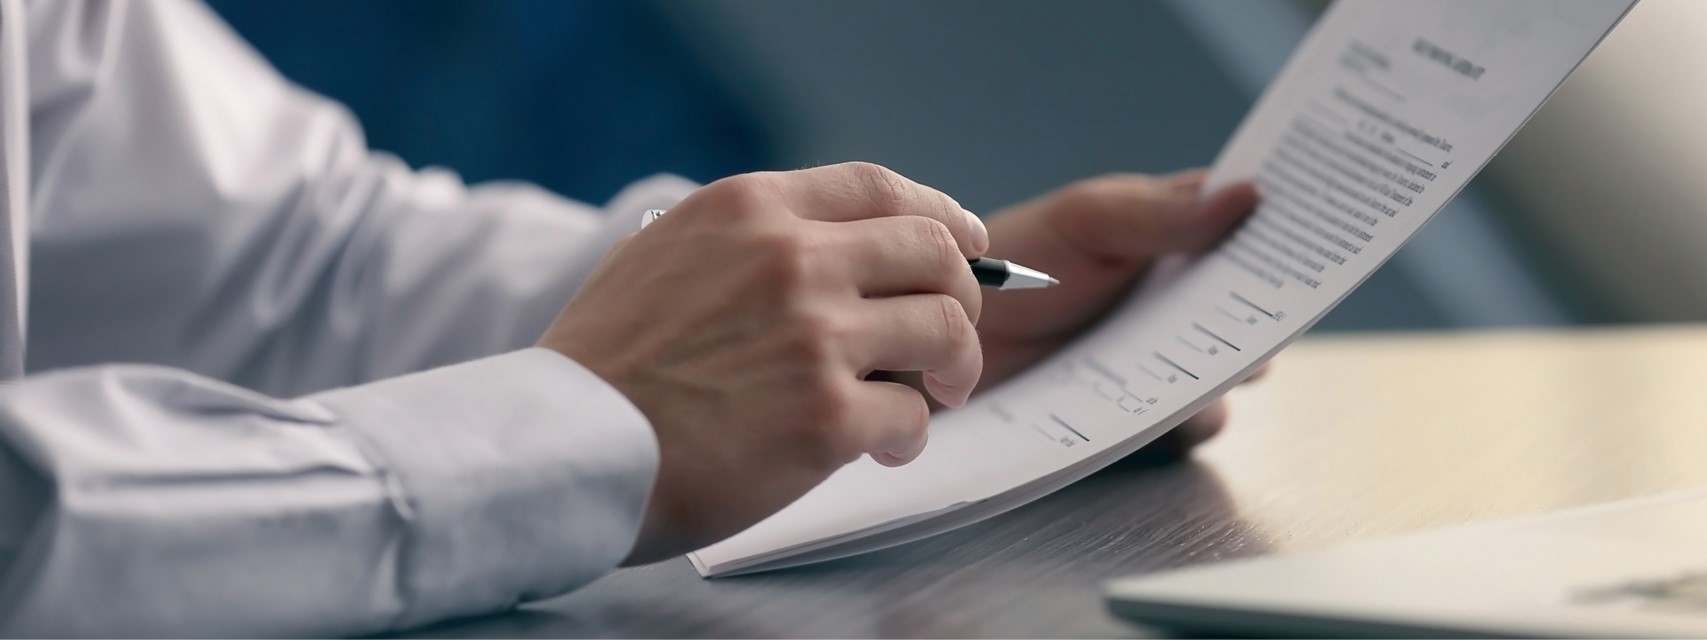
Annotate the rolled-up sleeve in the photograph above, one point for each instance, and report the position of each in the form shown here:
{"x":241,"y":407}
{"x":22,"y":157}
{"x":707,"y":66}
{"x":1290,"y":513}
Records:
{"x":145,"y":501}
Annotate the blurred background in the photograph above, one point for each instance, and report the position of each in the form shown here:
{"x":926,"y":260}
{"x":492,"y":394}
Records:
{"x":1593,"y":214}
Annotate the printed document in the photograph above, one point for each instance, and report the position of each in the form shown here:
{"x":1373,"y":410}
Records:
{"x":1382,"y":115}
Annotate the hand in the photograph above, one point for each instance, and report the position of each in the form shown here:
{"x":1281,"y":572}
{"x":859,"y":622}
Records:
{"x":1098,"y":237}
{"x":745,"y":322}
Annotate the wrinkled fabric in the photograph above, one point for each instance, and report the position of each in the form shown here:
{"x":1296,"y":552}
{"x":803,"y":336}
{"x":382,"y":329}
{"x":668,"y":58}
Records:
{"x":328,"y":419}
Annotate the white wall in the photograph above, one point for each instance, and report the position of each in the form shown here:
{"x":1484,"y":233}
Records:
{"x":1612,"y":174}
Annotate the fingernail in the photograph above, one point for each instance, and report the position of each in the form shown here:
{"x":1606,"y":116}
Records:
{"x":980,"y":233}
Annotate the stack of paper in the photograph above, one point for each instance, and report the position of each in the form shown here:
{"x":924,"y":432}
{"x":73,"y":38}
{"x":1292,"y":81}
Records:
{"x":1384,"y":113}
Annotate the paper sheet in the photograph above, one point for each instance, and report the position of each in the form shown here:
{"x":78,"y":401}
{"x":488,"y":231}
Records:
{"x":1383,"y":114}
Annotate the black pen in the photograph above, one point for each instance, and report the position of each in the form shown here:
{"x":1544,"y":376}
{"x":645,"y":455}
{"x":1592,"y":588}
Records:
{"x":996,"y":274}
{"x":1003,"y":275}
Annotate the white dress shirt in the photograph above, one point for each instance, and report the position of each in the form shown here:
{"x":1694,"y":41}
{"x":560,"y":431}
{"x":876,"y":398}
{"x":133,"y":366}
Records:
{"x":283,"y":457}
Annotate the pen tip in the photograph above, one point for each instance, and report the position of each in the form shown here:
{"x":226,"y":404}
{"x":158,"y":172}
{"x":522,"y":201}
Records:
{"x":1023,"y":277}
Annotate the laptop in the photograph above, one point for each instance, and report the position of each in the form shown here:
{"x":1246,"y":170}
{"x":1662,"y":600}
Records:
{"x":1627,"y":569}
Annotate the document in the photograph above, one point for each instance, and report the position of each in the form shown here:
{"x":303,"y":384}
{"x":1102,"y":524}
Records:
{"x":1383,"y":114}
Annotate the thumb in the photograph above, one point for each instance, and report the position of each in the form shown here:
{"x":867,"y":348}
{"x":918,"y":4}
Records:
{"x":1214,"y":216}
{"x":1133,"y":217}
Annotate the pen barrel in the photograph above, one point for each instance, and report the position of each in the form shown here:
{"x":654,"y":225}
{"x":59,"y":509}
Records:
{"x":990,"y":272}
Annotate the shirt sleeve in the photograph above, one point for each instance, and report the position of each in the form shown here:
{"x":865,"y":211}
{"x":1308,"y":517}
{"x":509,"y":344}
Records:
{"x":140,"y":501}
{"x":193,"y":208}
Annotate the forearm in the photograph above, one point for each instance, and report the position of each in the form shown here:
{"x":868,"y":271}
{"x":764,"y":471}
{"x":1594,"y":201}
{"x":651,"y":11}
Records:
{"x":188,"y":507}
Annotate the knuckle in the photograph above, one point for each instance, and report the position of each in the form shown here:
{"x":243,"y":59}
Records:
{"x":786,"y":258}
{"x":971,"y":299}
{"x":745,"y":183}
{"x":888,"y":191}
{"x":821,"y":331}
{"x":939,"y":241}
{"x":739,"y":195}
{"x":956,"y":324}
{"x":837,"y":441}
{"x":815,"y":339}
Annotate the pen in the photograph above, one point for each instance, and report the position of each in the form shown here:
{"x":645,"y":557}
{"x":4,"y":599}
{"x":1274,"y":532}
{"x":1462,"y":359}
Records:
{"x":996,"y":274}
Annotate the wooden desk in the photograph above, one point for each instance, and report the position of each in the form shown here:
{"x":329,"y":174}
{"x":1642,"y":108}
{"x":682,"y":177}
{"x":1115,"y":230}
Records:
{"x":1348,"y":438}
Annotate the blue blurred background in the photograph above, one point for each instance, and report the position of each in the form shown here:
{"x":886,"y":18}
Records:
{"x":992,"y":101}
{"x":580,"y":96}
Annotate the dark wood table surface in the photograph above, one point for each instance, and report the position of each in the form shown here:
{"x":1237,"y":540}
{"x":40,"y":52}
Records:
{"x":1348,"y":438}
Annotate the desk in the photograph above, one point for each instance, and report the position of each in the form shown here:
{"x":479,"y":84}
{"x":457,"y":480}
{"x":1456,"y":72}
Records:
{"x":1348,"y":438}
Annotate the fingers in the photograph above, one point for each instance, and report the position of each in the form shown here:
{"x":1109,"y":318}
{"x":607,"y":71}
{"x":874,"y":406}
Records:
{"x":860,"y":190}
{"x":1180,"y":440}
{"x":894,"y":420}
{"x":1201,"y":427}
{"x":908,"y":255}
{"x":1209,"y":422}
{"x":1259,"y":374}
{"x":1134,"y":217}
{"x":1217,"y":214}
{"x":930,"y":333}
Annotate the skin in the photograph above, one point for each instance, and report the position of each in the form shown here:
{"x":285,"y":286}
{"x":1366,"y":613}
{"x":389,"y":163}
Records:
{"x":1099,"y":237}
{"x":846,"y":286}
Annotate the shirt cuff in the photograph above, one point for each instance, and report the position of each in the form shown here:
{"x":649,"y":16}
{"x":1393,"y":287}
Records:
{"x":623,"y":211}
{"x":621,"y":216}
{"x":518,"y":477}
{"x":660,"y":191}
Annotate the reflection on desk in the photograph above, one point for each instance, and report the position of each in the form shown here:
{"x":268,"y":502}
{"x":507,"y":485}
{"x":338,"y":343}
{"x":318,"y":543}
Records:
{"x":1348,"y":438}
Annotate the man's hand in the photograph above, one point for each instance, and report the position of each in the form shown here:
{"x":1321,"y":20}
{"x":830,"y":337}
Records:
{"x":1098,"y":237}
{"x":744,"y":325}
